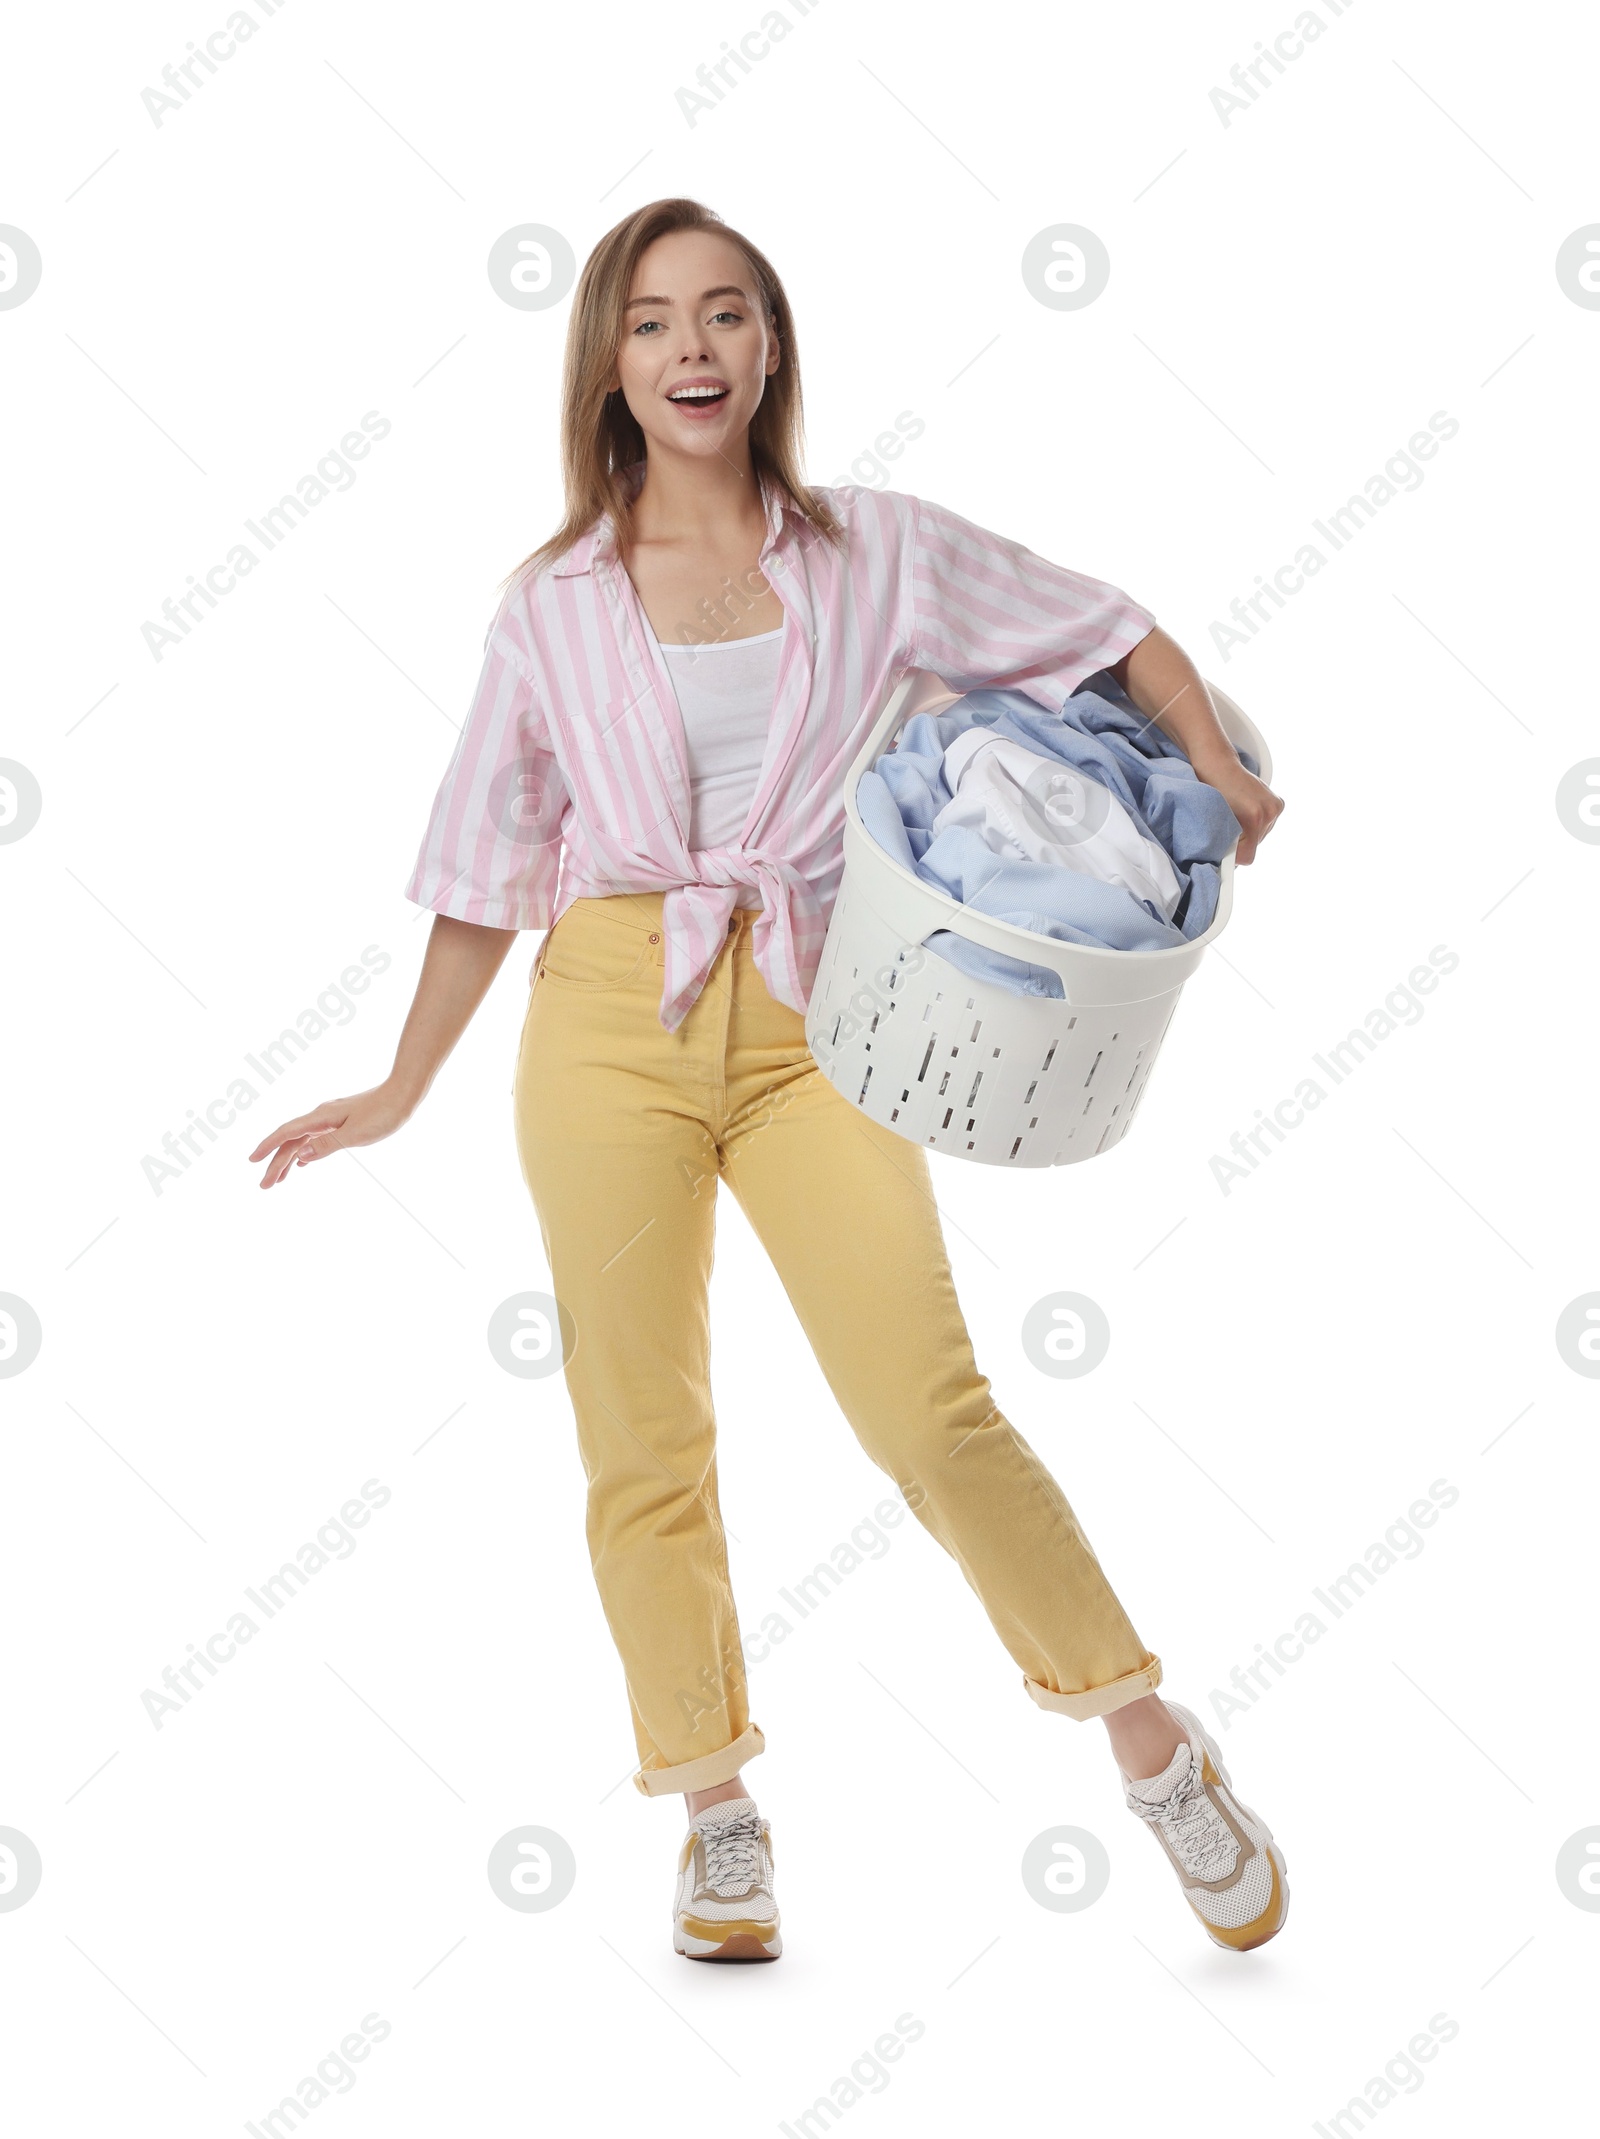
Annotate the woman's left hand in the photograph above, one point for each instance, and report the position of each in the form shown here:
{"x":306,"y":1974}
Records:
{"x":1251,"y":800}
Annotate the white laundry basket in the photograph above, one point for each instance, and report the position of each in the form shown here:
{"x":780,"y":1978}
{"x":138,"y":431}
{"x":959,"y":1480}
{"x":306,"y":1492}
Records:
{"x":959,"y":1064}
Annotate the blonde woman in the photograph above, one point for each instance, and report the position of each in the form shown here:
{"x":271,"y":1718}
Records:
{"x":651,"y":772}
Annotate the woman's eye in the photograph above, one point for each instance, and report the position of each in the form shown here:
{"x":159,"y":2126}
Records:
{"x":730,"y":314}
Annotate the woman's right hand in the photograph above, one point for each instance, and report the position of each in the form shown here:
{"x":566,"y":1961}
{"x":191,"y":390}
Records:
{"x":337,"y":1125}
{"x":461,"y":960}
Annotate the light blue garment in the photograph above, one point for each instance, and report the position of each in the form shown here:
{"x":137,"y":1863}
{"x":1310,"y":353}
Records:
{"x":1104,"y":736}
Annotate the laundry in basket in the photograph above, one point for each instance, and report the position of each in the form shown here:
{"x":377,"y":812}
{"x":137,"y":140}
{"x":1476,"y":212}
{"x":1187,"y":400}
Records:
{"x":1134,"y":863}
{"x":966,"y":1032}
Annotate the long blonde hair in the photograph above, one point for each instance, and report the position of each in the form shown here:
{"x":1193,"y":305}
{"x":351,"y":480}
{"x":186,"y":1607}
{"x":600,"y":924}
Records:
{"x":599,"y":435}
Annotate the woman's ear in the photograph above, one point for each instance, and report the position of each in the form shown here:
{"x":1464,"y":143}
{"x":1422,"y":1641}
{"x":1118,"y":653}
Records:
{"x":774,"y":356}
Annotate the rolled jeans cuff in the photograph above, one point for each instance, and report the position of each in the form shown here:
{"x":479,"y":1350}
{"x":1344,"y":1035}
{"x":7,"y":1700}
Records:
{"x":1099,"y":1700}
{"x":706,"y":1772}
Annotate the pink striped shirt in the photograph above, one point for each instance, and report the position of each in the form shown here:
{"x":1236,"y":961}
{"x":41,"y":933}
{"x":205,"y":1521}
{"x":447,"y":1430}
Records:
{"x":569,"y":779}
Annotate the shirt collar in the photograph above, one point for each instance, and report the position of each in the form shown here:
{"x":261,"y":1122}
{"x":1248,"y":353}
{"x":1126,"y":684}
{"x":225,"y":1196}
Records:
{"x":599,"y":542}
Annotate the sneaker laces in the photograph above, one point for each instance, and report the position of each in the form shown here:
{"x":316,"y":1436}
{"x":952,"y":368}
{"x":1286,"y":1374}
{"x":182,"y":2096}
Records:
{"x":1201,"y":1839}
{"x":733,"y":1854}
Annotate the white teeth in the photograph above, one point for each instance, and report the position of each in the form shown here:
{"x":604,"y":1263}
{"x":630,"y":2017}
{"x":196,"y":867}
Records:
{"x":696,"y":393}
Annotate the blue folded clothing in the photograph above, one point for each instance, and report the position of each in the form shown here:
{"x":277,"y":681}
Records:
{"x":1104,"y":736}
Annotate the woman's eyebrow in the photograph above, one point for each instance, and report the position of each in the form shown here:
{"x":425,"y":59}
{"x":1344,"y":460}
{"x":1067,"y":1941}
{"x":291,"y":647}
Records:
{"x":723,"y":289}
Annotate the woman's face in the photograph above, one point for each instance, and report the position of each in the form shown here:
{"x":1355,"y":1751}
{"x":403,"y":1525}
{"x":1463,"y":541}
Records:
{"x":694,"y":320}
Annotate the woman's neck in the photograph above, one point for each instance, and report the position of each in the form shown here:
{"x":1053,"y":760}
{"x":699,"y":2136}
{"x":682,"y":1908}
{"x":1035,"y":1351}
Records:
{"x":703,"y":504}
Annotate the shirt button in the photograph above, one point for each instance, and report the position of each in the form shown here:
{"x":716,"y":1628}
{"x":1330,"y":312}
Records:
{"x":654,"y":938}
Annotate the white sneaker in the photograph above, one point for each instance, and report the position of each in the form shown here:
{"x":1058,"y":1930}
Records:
{"x":1232,"y":1872}
{"x":725,"y":1909}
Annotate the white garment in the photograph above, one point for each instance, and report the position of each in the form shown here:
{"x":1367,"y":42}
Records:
{"x":725,"y":693}
{"x":1031,"y":807}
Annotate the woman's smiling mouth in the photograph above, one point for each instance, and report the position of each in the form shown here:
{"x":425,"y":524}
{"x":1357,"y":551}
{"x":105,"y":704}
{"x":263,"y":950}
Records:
{"x":698,"y":397}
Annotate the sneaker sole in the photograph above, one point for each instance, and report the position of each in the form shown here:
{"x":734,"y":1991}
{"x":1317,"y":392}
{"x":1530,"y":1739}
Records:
{"x":1280,"y":1870}
{"x":733,"y":1946}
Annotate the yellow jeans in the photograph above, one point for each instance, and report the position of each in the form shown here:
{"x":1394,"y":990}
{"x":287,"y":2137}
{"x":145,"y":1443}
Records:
{"x":625,"y":1132}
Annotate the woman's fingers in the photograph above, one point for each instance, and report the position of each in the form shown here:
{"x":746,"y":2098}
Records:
{"x":302,"y":1125}
{"x":279,"y":1165}
{"x":297,"y":1142}
{"x":288,"y":1156}
{"x":337,"y":1125}
{"x":1256,"y":819}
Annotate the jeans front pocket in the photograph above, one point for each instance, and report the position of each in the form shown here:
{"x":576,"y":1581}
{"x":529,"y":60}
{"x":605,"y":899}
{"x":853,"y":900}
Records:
{"x":592,"y":951}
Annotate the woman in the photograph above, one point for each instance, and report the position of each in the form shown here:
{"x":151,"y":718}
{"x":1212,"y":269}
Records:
{"x":651,"y":771}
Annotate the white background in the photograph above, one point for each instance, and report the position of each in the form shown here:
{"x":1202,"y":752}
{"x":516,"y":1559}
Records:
{"x":1292,"y":1363}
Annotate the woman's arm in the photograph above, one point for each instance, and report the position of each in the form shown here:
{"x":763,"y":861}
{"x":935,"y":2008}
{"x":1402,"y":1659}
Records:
{"x":1165,"y":684}
{"x":988,"y":614}
{"x":462,"y":959}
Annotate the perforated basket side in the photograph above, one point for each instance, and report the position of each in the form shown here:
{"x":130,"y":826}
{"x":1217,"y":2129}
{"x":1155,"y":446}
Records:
{"x":963,"y":1066}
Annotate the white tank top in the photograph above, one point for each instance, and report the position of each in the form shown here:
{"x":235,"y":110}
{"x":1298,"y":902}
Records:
{"x":725,"y":694}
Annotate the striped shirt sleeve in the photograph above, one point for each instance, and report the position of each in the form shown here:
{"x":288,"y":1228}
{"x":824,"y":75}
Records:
{"x":492,"y":849}
{"x":989,"y":614}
